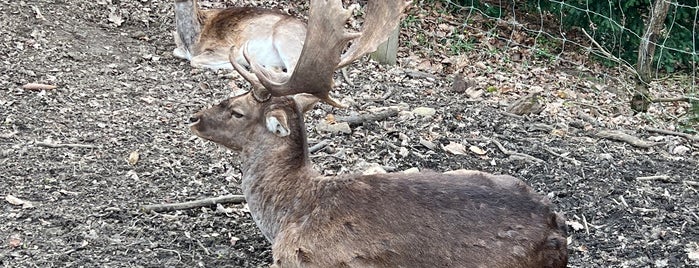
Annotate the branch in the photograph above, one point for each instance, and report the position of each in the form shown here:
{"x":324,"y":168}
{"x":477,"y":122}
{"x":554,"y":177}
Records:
{"x":516,"y":154}
{"x":675,"y":99}
{"x":609,"y":55}
{"x":574,"y":161}
{"x":234,"y":199}
{"x":354,"y":120}
{"x":8,"y":135}
{"x":663,"y":178}
{"x":620,"y":136}
{"x":318,"y":146}
{"x":673,"y":133}
{"x":64,"y":145}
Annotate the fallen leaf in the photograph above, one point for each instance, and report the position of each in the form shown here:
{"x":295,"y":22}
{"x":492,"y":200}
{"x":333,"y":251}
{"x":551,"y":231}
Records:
{"x":234,"y":240}
{"x":18,"y":202}
{"x":133,"y":158}
{"x":14,"y":241}
{"x":575,"y":225}
{"x":115,"y":18}
{"x":455,"y":148}
{"x":693,"y":252}
{"x":477,"y":150}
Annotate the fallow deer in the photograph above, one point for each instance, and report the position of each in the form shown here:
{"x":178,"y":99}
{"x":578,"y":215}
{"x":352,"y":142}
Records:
{"x":454,"y":219}
{"x":204,"y":37}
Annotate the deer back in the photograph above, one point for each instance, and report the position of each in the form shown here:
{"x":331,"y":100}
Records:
{"x":423,"y":220}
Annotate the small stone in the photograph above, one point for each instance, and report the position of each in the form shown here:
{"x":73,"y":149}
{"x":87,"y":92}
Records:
{"x":680,"y":150}
{"x":342,"y":127}
{"x":424,"y":111}
{"x":430,"y":145}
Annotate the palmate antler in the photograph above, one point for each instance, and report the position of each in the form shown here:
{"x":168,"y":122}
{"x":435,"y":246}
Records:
{"x":322,"y":52}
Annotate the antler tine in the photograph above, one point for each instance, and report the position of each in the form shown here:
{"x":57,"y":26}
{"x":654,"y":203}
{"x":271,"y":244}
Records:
{"x":382,"y":16}
{"x":325,"y":41}
{"x":259,"y":92}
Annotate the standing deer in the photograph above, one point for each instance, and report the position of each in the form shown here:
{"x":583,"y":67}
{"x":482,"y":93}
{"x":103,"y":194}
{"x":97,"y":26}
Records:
{"x":454,"y":219}
{"x":204,"y":37}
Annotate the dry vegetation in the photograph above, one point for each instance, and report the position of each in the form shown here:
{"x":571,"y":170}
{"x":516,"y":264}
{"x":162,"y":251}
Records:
{"x":78,"y":160}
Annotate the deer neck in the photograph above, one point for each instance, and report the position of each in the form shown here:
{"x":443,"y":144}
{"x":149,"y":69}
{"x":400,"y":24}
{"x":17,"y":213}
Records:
{"x":275,"y":179}
{"x":188,"y":22}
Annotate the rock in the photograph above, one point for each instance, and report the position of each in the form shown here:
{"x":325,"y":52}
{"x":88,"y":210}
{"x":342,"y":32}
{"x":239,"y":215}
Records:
{"x":681,"y":149}
{"x":342,"y":127}
{"x":411,"y":170}
{"x":424,"y":111}
{"x":430,"y":145}
{"x":530,"y":104}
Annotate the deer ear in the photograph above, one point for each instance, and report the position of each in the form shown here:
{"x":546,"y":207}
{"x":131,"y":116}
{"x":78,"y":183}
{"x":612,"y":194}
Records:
{"x":305,"y":101}
{"x":277,"y":123}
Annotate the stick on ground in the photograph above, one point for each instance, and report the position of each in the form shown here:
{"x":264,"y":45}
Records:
{"x":64,"y":145}
{"x":620,"y":136}
{"x":354,"y":120}
{"x":234,"y":199}
{"x":673,"y":133}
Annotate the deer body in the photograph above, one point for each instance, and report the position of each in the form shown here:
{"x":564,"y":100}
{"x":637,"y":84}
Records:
{"x":205,"y":37}
{"x":459,"y":219}
{"x":454,"y":219}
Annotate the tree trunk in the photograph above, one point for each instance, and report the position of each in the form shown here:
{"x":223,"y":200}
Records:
{"x":387,"y":52}
{"x":646,"y":50}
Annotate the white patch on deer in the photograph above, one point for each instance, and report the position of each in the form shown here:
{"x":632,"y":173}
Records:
{"x":276,"y":127}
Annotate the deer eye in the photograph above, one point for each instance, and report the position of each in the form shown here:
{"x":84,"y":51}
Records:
{"x":236,"y":114}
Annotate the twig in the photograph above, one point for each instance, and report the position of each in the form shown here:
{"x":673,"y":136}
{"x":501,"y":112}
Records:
{"x":235,"y":199}
{"x":354,"y":120}
{"x":663,"y":178}
{"x":692,"y":183}
{"x":620,"y":136}
{"x":38,"y":13}
{"x":346,"y":77}
{"x":201,"y":245}
{"x":610,"y":56}
{"x":318,"y":146}
{"x":8,"y":135}
{"x":675,"y":99}
{"x":587,"y":229}
{"x":35,"y":86}
{"x":674,"y":133}
{"x":574,"y":161}
{"x":64,"y":145}
{"x":623,"y":201}
{"x":516,"y":154}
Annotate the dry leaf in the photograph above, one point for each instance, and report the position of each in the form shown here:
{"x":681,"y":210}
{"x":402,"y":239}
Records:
{"x":115,"y":18}
{"x":477,"y":150}
{"x":575,"y":225}
{"x":18,"y":202}
{"x":14,"y":241}
{"x":38,"y":87}
{"x":693,"y":253}
{"x":234,"y":240}
{"x":455,"y":148}
{"x":133,"y":158}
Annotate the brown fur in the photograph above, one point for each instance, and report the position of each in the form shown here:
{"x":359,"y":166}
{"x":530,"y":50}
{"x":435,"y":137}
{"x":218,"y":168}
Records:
{"x":459,"y":219}
{"x":205,"y":36}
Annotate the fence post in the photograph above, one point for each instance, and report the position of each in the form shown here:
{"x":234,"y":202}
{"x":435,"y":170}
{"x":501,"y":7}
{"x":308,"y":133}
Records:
{"x":387,"y":52}
{"x":641,"y":99}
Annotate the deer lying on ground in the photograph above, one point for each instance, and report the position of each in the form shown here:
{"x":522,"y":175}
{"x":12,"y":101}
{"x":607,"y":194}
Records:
{"x":454,"y":219}
{"x":204,"y":37}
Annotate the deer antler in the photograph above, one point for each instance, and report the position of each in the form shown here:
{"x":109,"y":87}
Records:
{"x":321,"y":55}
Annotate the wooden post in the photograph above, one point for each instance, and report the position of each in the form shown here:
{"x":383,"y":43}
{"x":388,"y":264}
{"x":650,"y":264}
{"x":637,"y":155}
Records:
{"x":641,"y":99}
{"x":387,"y":52}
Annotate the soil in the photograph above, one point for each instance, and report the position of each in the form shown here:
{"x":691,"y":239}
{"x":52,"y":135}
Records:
{"x":85,"y":156}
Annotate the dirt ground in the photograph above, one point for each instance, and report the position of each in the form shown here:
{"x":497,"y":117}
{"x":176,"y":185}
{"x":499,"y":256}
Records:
{"x":120,"y":93}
